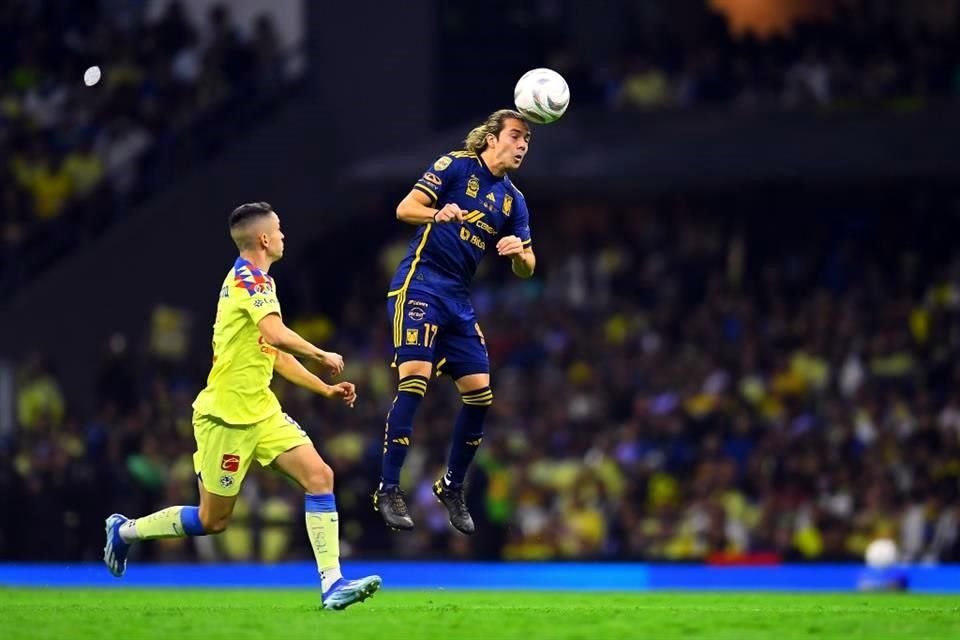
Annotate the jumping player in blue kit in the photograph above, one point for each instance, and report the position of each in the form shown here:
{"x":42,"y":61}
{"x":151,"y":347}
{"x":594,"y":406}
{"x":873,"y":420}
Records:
{"x":464,"y":205}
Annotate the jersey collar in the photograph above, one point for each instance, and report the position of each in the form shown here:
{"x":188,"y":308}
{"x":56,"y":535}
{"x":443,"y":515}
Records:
{"x":486,"y":169}
{"x":242,"y":263}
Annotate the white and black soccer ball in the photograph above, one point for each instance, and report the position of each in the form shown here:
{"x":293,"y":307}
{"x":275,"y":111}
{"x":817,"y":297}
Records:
{"x":541,"y":95}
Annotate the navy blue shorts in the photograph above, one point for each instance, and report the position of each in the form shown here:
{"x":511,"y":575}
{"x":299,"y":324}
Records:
{"x":438,"y":330}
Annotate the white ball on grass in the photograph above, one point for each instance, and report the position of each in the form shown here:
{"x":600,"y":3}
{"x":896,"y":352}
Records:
{"x":881,"y":553}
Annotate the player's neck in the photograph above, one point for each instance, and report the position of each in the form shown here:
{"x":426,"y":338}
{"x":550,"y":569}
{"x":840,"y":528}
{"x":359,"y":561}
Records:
{"x":259,"y":259}
{"x":490,"y":162}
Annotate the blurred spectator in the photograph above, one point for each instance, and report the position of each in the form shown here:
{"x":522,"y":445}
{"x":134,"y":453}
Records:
{"x":40,"y":402}
{"x":120,"y":146}
{"x":643,"y":87}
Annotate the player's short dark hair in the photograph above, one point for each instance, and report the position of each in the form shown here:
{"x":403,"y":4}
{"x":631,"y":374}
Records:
{"x":248,"y":211}
{"x":476,"y":140}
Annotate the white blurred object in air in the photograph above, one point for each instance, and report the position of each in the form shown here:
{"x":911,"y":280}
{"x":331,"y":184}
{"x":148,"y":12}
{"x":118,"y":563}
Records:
{"x":91,"y":76}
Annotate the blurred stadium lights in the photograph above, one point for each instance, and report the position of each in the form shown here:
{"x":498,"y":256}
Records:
{"x":766,"y":18}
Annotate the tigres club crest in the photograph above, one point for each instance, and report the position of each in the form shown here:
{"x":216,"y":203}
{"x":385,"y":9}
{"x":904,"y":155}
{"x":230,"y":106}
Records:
{"x":473,"y":186}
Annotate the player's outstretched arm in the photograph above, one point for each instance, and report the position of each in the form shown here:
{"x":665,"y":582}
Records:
{"x":291,"y":369}
{"x":523,"y":261}
{"x":416,"y":209}
{"x":280,"y":336}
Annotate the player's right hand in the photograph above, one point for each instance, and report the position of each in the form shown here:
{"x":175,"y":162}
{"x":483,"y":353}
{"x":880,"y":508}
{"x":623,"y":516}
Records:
{"x":450,"y":212}
{"x":332,"y":360}
{"x":345,"y":390}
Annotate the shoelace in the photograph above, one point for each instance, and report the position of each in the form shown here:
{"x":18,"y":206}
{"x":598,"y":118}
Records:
{"x":397,"y":502}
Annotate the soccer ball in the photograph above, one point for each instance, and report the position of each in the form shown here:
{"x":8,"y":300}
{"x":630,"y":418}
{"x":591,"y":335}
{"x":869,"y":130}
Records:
{"x":541,"y":95}
{"x":881,"y":553}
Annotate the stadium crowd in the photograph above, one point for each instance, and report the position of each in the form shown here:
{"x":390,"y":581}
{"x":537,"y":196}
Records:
{"x":686,"y":378}
{"x":76,"y":157}
{"x":835,"y":54}
{"x":864,"y":53}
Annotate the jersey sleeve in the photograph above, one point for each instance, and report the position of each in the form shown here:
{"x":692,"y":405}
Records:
{"x":259,"y":300}
{"x":520,"y":220}
{"x":439,"y":177}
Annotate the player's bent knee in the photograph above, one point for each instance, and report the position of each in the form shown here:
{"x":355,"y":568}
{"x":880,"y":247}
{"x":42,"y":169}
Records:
{"x":215,"y":511}
{"x":319,"y":478}
{"x":213,"y":524}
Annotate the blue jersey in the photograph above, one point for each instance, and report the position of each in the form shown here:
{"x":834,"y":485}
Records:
{"x":442,"y":258}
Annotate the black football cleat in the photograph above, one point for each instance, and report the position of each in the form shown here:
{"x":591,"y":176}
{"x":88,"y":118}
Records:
{"x":451,"y":497}
{"x":392,"y":505}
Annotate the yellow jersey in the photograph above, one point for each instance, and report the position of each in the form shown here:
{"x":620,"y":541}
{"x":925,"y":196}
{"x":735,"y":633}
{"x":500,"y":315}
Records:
{"x":238,"y":387}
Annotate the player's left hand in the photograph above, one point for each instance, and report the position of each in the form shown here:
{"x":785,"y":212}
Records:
{"x":510,"y":246}
{"x":345,"y":390}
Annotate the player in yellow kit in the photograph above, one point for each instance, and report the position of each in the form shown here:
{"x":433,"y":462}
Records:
{"x":237,"y":418}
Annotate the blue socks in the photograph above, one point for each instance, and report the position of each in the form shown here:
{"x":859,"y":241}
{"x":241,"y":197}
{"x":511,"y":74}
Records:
{"x":190,"y":518}
{"x":468,"y":433}
{"x":396,"y":440}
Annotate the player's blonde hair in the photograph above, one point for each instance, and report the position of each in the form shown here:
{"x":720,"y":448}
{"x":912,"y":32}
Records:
{"x":476,"y":140}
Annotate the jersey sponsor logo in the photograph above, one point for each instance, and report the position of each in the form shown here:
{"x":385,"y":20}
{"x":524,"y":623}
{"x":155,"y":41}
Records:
{"x":474,"y":217}
{"x":230,"y":462}
{"x":432,"y":178}
{"x":473,"y":186}
{"x":485,"y":227}
{"x":418,"y":312}
{"x":413,"y":336}
{"x":507,"y":203}
{"x":442,"y":163}
{"x":266,"y":348}
{"x":473,"y":239}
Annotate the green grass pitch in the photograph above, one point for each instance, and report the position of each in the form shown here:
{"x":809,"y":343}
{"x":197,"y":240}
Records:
{"x":210,"y":614}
